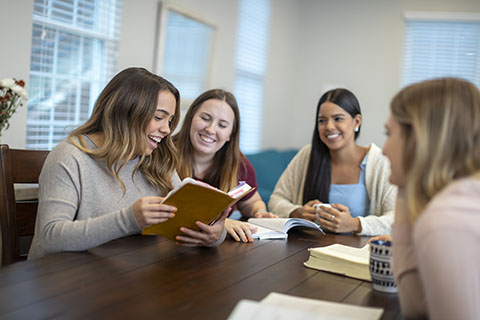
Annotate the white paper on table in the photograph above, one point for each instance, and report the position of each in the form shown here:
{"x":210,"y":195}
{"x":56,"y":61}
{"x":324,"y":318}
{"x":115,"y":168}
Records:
{"x":285,"y":307}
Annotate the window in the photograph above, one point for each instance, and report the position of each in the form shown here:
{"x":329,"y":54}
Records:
{"x":250,"y":69}
{"x":187,"y":52}
{"x":438,"y":45}
{"x":74,"y":55}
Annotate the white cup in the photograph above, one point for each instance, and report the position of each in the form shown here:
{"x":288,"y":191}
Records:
{"x":380,"y":266}
{"x":317,"y":207}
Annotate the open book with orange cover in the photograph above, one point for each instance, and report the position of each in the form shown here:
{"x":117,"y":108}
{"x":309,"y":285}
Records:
{"x":196,"y":201}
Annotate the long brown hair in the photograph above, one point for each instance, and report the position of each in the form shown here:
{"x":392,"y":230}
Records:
{"x":440,"y":121}
{"x":122,"y":113}
{"x":223,"y":173}
{"x":319,"y":170}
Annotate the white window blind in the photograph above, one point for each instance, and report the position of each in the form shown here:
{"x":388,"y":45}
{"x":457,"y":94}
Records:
{"x":439,"y":47}
{"x":74,"y":55}
{"x":250,"y":69}
{"x":187,"y":54}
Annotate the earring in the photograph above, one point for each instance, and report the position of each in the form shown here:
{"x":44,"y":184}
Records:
{"x":356,"y":129}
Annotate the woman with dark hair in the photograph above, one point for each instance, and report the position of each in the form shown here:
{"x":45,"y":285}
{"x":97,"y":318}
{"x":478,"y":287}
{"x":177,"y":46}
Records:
{"x":103,"y":182}
{"x":209,"y":150}
{"x":335,"y":170}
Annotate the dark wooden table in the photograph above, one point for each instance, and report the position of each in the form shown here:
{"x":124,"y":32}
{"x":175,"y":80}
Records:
{"x":151,"y":277}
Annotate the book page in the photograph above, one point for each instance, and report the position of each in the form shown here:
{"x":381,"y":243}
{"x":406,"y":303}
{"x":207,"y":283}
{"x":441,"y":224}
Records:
{"x":284,"y":224}
{"x":298,"y":222}
{"x":276,"y":224}
{"x":239,"y":190}
{"x":339,"y":266}
{"x":192,"y":181}
{"x":248,"y":309}
{"x":358,"y":255}
{"x":330,"y":310}
{"x":284,"y":307}
{"x":265,"y":233}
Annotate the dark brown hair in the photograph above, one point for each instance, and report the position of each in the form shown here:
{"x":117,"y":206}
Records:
{"x":223,"y":172}
{"x":319,"y":171}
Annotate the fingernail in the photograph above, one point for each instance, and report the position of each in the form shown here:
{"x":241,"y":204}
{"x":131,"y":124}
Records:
{"x":172,"y":215}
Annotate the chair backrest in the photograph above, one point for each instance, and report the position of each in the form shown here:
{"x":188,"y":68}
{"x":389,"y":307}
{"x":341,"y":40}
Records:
{"x":269,"y":166}
{"x":17,"y":217}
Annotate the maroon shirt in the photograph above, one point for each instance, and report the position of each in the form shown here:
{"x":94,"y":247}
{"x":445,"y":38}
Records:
{"x":245,"y":173}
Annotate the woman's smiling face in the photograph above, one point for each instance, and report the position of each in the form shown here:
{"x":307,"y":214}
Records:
{"x":336,"y":127}
{"x":211,"y":127}
{"x":159,"y":127}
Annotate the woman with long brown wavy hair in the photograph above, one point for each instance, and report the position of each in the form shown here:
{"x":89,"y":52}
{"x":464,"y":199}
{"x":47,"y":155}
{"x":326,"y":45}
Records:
{"x":104,"y":181}
{"x":208,"y":146}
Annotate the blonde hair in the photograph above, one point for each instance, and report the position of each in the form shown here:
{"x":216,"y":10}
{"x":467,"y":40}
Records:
{"x":223,"y":173}
{"x":440,"y":120}
{"x":122,"y":113}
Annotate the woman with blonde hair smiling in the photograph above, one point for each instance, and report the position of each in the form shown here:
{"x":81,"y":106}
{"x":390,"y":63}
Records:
{"x":104,"y":181}
{"x":434,"y":148}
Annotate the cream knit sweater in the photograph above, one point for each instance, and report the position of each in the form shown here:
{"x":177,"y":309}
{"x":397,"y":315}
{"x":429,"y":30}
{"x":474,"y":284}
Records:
{"x":288,"y":193}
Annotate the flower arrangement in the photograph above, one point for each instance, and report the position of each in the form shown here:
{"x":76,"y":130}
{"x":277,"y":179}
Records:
{"x":12,"y":96}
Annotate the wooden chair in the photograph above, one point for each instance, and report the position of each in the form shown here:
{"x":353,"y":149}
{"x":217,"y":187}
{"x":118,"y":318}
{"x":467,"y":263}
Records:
{"x":17,"y":218}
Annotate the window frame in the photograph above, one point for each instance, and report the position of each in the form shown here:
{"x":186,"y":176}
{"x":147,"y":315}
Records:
{"x":251,"y":136}
{"x":100,"y":39}
{"x":434,"y":16}
{"x":160,"y":45}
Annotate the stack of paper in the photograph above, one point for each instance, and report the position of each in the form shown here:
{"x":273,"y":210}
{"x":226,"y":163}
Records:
{"x":341,"y":259}
{"x":284,"y":307}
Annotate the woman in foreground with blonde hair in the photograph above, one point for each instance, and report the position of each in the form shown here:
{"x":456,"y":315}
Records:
{"x":105,"y":181}
{"x":434,"y":148}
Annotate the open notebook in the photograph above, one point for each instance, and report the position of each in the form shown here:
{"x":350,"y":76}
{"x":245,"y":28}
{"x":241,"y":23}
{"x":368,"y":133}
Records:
{"x":277,"y":228}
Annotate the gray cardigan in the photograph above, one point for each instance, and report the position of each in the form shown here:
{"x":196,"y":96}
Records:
{"x":81,"y":205}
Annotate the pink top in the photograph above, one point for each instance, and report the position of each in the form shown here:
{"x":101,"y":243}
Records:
{"x":438,"y":269}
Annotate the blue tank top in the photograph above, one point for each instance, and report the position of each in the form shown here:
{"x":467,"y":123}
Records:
{"x":354,"y":196}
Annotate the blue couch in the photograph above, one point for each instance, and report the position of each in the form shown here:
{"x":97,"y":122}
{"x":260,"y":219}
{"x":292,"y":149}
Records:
{"x":269,"y":165}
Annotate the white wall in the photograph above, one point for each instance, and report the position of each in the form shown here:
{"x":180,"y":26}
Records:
{"x":138,"y":39}
{"x":315,"y":44}
{"x":357,"y":44}
{"x":16,"y":35}
{"x":281,"y":95}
